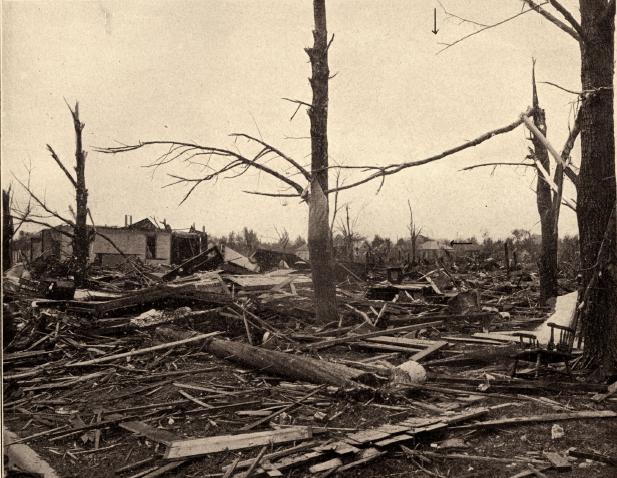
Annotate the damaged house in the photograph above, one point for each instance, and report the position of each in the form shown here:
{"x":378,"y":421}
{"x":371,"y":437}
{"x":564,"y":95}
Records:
{"x":141,"y":240}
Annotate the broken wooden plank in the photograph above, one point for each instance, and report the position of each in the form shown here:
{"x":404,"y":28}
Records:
{"x":204,"y":446}
{"x":392,"y":348}
{"x":612,"y":389}
{"x":526,"y":473}
{"x":429,"y":350}
{"x":326,"y":465}
{"x":366,"y":436}
{"x":298,"y":402}
{"x":272,"y":456}
{"x":146,"y":350}
{"x":473,"y":340}
{"x":591,"y":455}
{"x":367,"y":455}
{"x":394,"y":439}
{"x":559,"y":462}
{"x":351,"y":338}
{"x":549,"y":417}
{"x":158,"y":435}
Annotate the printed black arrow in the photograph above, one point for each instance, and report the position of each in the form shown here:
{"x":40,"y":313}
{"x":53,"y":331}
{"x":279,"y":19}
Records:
{"x":434,"y":30}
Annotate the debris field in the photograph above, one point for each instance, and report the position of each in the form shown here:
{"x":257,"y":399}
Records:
{"x":204,"y":373}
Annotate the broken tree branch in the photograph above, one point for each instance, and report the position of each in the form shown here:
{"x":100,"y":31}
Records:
{"x":449,"y":45}
{"x":553,"y":19}
{"x":395,"y":168}
{"x":187,"y":151}
{"x":61,"y":166}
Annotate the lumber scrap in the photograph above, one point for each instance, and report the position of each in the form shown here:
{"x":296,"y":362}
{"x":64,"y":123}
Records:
{"x":559,"y":462}
{"x":158,"y":435}
{"x":462,"y":456}
{"x":591,"y":455}
{"x":366,"y":455}
{"x":241,"y":464}
{"x":216,"y":444}
{"x":109,"y":358}
{"x":599,"y":397}
{"x":350,"y":338}
{"x":549,"y":417}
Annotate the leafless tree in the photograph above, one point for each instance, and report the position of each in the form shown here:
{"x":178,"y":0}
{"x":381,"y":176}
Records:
{"x":347,"y":228}
{"x":594,"y":34}
{"x":414,"y":232}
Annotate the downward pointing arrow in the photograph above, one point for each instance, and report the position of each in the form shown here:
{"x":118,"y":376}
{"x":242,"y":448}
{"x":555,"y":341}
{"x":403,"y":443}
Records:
{"x":434,"y":30}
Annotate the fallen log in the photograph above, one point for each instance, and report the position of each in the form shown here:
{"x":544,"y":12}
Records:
{"x":294,"y":367}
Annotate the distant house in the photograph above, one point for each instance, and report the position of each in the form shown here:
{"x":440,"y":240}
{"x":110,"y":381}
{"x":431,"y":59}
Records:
{"x":269,"y":258}
{"x":465,"y":249}
{"x":141,"y":240}
{"x":432,"y":249}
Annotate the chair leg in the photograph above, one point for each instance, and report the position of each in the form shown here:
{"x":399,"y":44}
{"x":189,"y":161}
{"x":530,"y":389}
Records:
{"x":568,"y":369}
{"x":538,"y":363}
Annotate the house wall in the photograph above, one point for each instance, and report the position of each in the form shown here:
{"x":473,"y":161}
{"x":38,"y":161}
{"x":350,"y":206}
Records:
{"x":163,"y":247}
{"x":133,"y":243}
{"x":130,"y":242}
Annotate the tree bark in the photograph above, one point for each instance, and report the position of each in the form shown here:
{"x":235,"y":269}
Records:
{"x":547,"y":264}
{"x":294,"y":367}
{"x":81,"y":236}
{"x":7,"y":229}
{"x":597,"y":188}
{"x":320,"y":247}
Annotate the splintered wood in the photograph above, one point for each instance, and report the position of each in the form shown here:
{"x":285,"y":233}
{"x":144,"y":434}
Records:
{"x":204,"y":446}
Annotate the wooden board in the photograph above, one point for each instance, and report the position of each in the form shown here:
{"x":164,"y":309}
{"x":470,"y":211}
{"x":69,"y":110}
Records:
{"x":559,"y":462}
{"x":155,"y":434}
{"x":326,"y":465}
{"x":204,"y":446}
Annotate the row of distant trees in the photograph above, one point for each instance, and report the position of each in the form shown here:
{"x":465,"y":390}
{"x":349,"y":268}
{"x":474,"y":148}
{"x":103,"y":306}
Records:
{"x":248,"y":241}
{"x":522,"y":243}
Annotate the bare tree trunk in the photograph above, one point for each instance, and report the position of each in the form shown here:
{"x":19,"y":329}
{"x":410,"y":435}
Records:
{"x":320,"y":247}
{"x":596,"y":186}
{"x":547,"y":264}
{"x":7,"y":229}
{"x":81,"y":236}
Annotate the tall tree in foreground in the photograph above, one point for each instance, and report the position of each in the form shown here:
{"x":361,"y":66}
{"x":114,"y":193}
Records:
{"x":315,"y":194}
{"x":319,"y":243}
{"x":597,"y":187}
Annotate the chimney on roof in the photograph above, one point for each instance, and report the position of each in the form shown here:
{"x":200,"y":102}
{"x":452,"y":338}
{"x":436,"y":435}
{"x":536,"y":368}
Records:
{"x":126,"y":220}
{"x":131,"y":219}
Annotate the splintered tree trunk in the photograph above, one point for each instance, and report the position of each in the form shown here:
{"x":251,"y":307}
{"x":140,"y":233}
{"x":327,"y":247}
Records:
{"x":81,"y":239}
{"x":596,"y":187}
{"x":320,"y":247}
{"x":7,"y":229}
{"x":547,"y":264}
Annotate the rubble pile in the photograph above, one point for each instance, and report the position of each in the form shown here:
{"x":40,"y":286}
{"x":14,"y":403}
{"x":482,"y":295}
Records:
{"x":212,"y":373}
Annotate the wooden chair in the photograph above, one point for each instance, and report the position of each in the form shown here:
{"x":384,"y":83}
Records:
{"x":556,"y":351}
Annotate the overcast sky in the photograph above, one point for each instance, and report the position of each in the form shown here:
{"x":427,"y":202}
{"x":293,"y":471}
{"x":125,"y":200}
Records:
{"x":200,"y":70}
